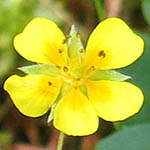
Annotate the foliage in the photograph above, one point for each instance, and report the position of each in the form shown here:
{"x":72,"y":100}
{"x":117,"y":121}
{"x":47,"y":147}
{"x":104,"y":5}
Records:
{"x":132,"y":138}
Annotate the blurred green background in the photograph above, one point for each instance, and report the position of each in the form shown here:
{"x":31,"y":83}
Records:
{"x":18,"y":132}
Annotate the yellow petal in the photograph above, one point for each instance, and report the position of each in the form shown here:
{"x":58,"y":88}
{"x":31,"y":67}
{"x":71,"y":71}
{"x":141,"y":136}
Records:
{"x":74,"y":115}
{"x":42,"y":41}
{"x":33,"y":94}
{"x":112,"y":44}
{"x":114,"y":101}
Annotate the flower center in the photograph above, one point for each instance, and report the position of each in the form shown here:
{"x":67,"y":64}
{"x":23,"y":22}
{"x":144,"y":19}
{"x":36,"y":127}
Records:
{"x":71,"y":77}
{"x":74,"y":82}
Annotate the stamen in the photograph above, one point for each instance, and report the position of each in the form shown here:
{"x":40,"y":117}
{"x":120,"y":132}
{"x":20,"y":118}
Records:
{"x":65,"y":69}
{"x":101,"y":54}
{"x":79,"y":35}
{"x":58,"y":66}
{"x":92,"y":68}
{"x":81,"y":50}
{"x":49,"y":83}
{"x":60,"y":50}
{"x":67,"y":37}
{"x":64,"y":41}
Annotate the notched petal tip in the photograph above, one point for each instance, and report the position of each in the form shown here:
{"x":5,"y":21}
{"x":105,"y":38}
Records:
{"x":116,"y":42}
{"x":40,"y":41}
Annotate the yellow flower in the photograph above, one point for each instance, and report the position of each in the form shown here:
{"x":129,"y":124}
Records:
{"x":77,"y":84}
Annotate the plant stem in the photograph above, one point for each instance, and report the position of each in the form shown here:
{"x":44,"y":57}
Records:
{"x":99,"y":9}
{"x":60,"y":141}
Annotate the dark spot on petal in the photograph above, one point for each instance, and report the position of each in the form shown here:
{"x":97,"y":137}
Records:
{"x":49,"y":83}
{"x":65,"y":69}
{"x":101,"y":54}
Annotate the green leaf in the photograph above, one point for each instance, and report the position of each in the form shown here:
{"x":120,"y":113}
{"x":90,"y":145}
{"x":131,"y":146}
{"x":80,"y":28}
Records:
{"x":75,"y":47}
{"x":5,"y":137}
{"x":109,"y":75}
{"x":146,"y":10}
{"x":133,"y":138}
{"x":42,"y":69}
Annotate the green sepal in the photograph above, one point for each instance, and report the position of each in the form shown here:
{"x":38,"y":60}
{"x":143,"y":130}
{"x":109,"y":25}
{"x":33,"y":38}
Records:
{"x":76,"y":53}
{"x":83,"y":89}
{"x":109,"y":75}
{"x":63,"y":91}
{"x":75,"y":47}
{"x":41,"y":69}
{"x":51,"y":115}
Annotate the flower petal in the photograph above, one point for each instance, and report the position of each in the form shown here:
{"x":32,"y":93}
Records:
{"x":42,"y":42}
{"x":112,"y":44}
{"x":33,"y":94}
{"x":114,"y":101}
{"x":74,"y":115}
